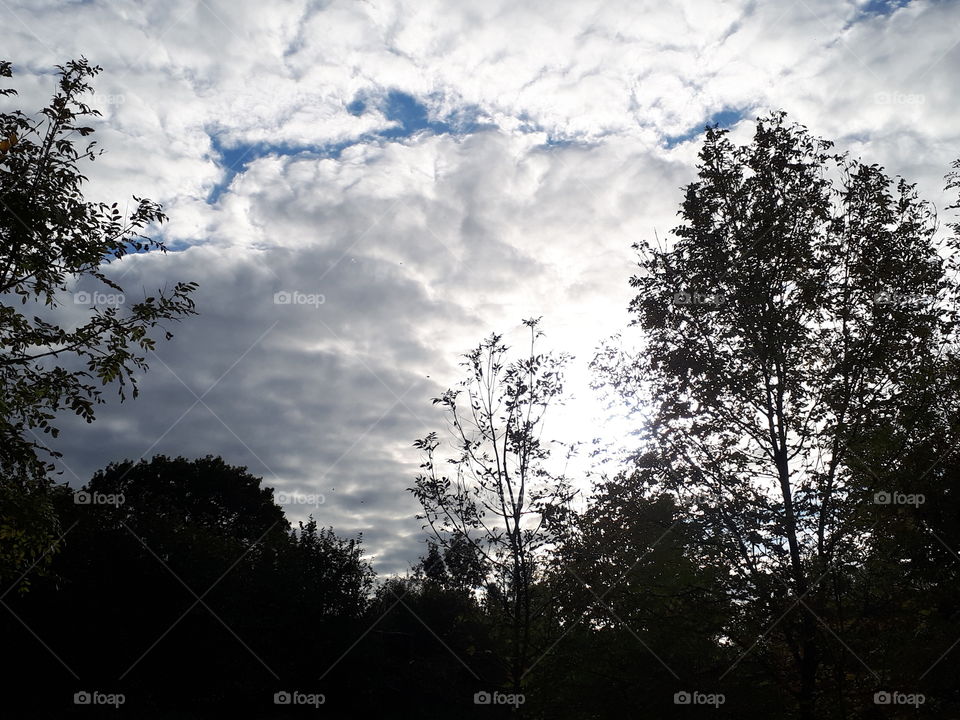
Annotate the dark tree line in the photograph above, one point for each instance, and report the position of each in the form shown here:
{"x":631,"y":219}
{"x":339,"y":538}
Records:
{"x":782,"y":543}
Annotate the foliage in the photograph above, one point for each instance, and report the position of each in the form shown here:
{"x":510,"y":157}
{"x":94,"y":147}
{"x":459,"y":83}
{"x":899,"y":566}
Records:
{"x":501,"y":508}
{"x":802,"y":293}
{"x":51,"y":239}
{"x":187,"y":590}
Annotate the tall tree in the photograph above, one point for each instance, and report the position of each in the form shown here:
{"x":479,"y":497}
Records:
{"x":501,"y":499}
{"x":800,"y":293}
{"x":50,"y":239}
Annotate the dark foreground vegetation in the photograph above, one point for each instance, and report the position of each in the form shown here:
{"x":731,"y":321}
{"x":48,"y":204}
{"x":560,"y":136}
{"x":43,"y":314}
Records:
{"x":781,"y":544}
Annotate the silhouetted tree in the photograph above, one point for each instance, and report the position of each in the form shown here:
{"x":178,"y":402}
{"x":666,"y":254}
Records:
{"x":642,"y":613}
{"x":51,"y":238}
{"x":182,"y":585}
{"x":434,"y":646}
{"x":501,"y":507}
{"x":801,"y":293}
{"x":899,"y":606}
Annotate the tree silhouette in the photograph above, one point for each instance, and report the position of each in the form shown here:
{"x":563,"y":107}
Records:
{"x":189,"y":592}
{"x":642,"y":608}
{"x":50,"y":239}
{"x":501,"y":508}
{"x":801,"y":293}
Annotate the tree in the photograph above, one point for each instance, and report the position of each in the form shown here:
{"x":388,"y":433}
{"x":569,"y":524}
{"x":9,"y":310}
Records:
{"x":901,"y":609}
{"x":641,"y":610}
{"x":50,"y":238}
{"x":430,"y":635}
{"x":458,"y":566}
{"x":800,"y":294}
{"x":501,"y":499}
{"x":29,"y":528}
{"x":122,"y":606}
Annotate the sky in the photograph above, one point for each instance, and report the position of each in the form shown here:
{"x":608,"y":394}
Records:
{"x":416,"y":175}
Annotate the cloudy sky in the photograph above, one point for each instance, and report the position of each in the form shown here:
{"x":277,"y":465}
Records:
{"x":432,"y":171}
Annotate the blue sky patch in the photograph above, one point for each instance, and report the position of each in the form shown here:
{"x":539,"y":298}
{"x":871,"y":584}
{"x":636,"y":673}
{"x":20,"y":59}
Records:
{"x":725,"y":118}
{"x":882,"y":7}
{"x":409,"y":115}
{"x":357,"y":107}
{"x":234,"y":159}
